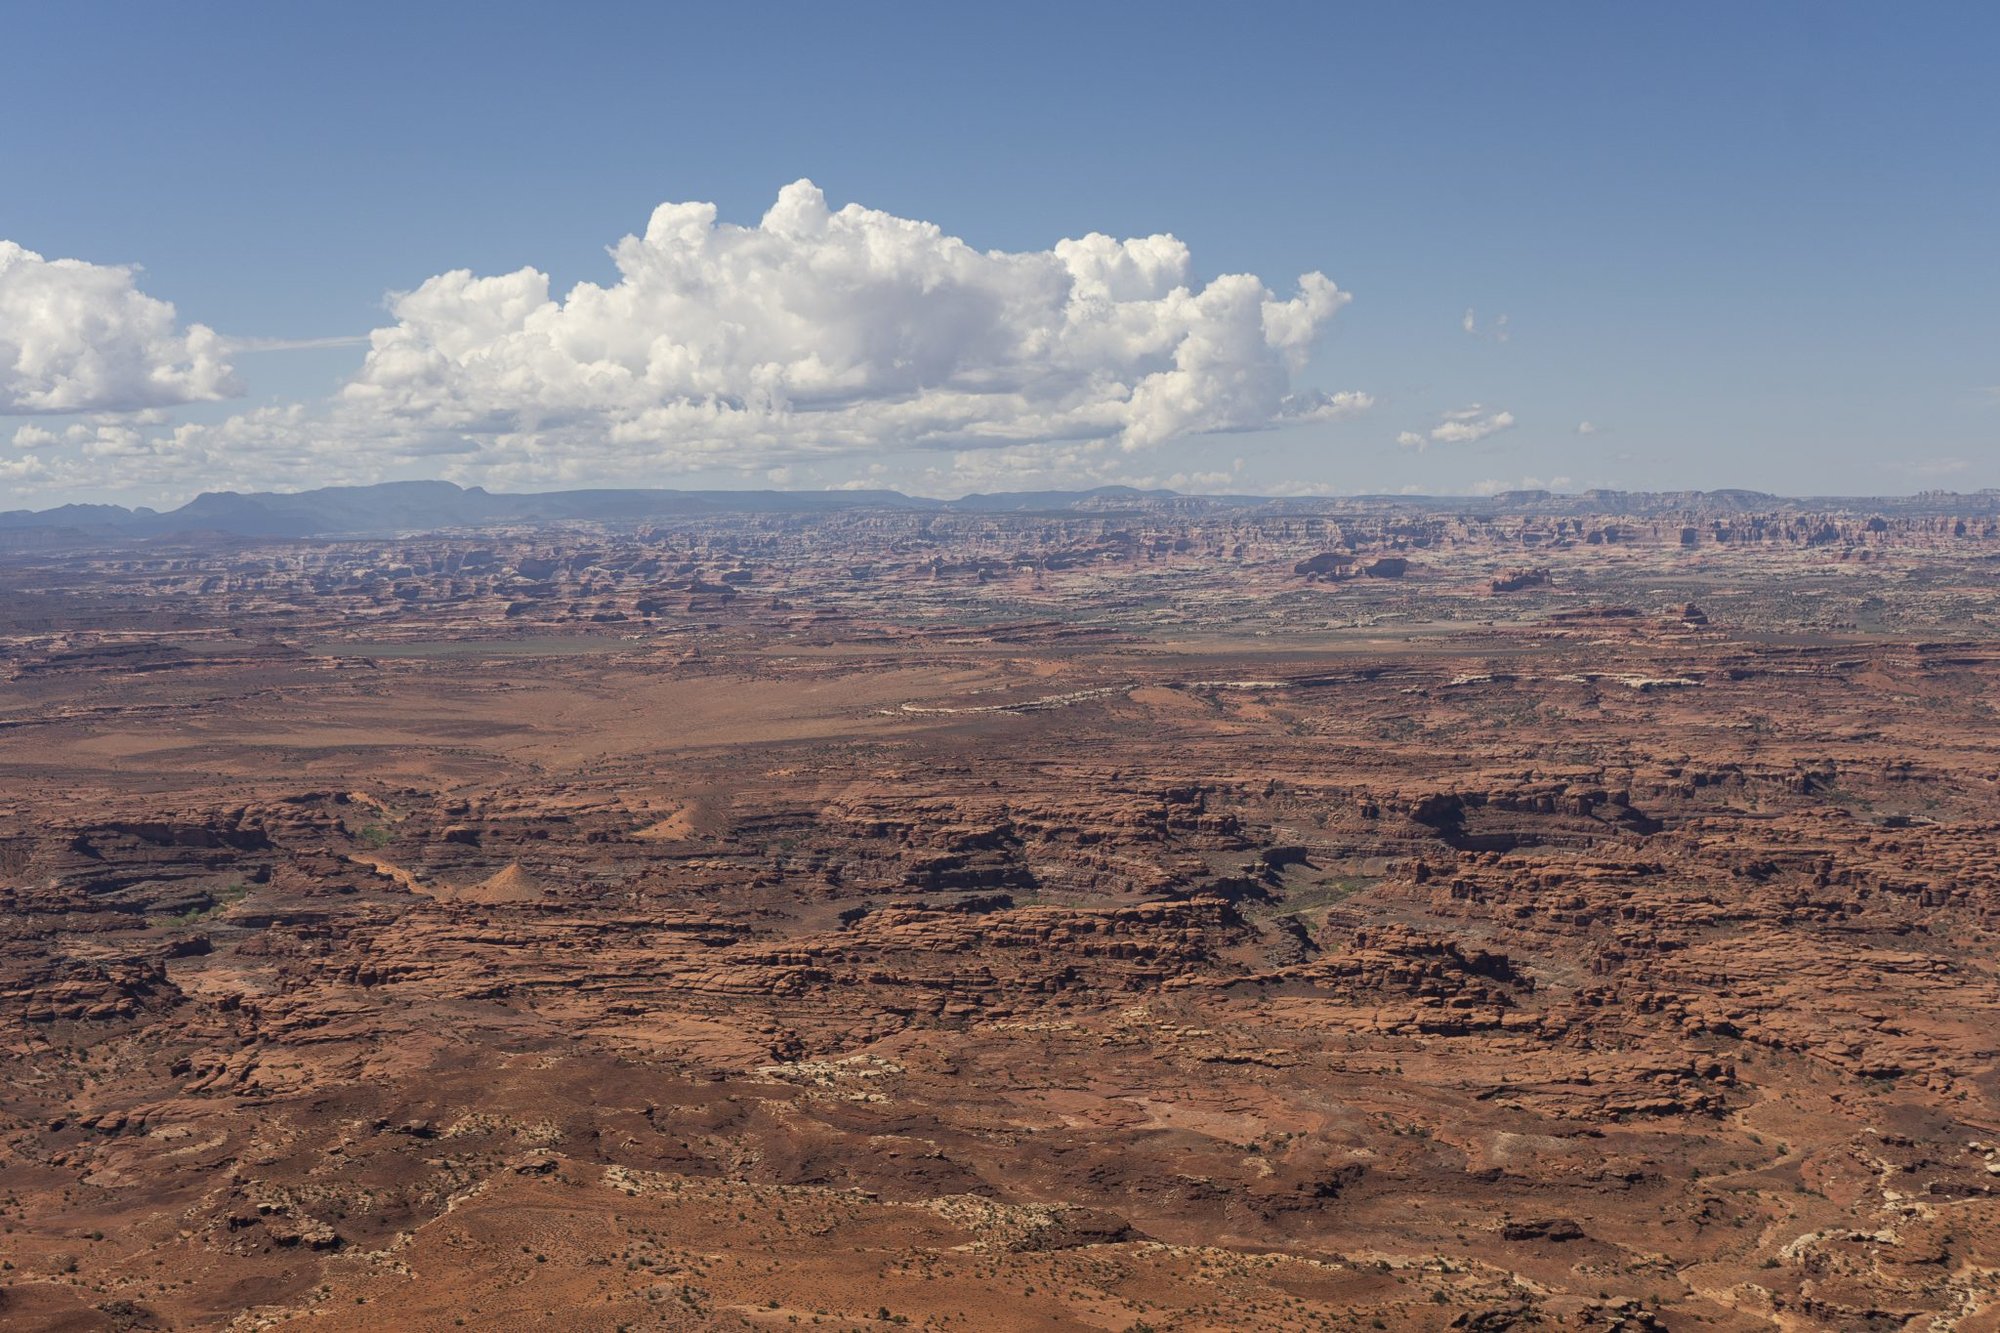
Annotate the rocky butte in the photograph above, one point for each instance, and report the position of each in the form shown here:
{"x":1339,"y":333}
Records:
{"x":428,"y":908}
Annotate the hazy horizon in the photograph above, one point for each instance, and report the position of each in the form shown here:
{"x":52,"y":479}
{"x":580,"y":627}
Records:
{"x":1413,"y":496}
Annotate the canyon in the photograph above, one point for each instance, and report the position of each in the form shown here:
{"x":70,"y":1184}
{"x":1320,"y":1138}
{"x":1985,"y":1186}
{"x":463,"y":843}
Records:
{"x":1119,"y":911}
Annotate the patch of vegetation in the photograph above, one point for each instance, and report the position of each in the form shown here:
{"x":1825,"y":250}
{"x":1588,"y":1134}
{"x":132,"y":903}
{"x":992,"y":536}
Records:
{"x":1299,"y":901}
{"x":373,"y":835}
{"x":220,"y":901}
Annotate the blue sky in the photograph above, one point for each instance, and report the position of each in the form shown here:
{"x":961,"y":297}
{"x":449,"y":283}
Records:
{"x":1751,"y":245}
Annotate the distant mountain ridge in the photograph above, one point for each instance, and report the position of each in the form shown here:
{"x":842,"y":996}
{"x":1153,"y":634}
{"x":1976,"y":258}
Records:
{"x":397,"y":507}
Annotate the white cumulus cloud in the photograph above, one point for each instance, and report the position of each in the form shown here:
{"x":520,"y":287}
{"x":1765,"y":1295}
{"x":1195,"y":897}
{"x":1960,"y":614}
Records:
{"x":823,"y":332}
{"x":81,"y":337}
{"x":1496,"y":328}
{"x":1496,"y":487}
{"x":1464,"y":425}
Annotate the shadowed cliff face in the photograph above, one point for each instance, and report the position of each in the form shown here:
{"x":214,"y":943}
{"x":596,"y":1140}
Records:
{"x":1113,"y":924}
